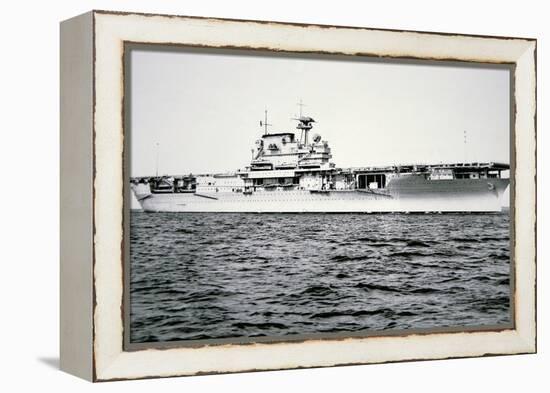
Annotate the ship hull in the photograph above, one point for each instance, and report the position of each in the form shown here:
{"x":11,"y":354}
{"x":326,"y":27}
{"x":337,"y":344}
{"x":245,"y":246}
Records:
{"x":408,"y":194}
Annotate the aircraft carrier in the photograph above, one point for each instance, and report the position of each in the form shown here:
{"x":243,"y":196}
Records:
{"x":293,"y":173}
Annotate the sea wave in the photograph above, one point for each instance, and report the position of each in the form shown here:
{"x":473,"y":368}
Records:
{"x":206,"y":276}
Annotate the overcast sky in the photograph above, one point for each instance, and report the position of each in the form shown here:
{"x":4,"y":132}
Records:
{"x":203,"y":109}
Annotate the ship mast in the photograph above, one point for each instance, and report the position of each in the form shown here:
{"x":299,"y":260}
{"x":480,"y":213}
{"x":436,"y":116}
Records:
{"x":465,"y":147}
{"x":304,"y":124}
{"x":157,"y":161}
{"x":265,"y":124}
{"x":301,"y":105}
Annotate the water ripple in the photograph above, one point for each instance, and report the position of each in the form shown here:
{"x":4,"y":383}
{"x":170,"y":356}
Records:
{"x":200,"y":276}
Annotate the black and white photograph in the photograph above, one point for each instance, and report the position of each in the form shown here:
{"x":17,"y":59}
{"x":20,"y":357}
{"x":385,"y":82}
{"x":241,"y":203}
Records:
{"x":256,"y":197}
{"x":277,"y":196}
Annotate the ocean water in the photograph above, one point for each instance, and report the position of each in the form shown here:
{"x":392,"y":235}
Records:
{"x":204,"y":276}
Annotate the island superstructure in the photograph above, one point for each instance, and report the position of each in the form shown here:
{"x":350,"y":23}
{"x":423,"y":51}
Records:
{"x":290,"y":172}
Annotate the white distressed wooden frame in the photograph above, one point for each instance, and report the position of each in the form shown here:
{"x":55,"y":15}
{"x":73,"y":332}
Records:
{"x":92,"y":195}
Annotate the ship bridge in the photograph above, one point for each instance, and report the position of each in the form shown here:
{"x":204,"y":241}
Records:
{"x":283,"y":150}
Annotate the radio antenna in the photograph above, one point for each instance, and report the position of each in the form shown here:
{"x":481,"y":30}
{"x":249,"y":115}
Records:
{"x":301,"y":105}
{"x":465,"y":149}
{"x":265,"y":124}
{"x":157,"y":162}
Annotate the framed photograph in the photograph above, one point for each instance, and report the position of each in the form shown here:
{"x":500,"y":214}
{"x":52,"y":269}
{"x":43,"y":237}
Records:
{"x":244,"y":195}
